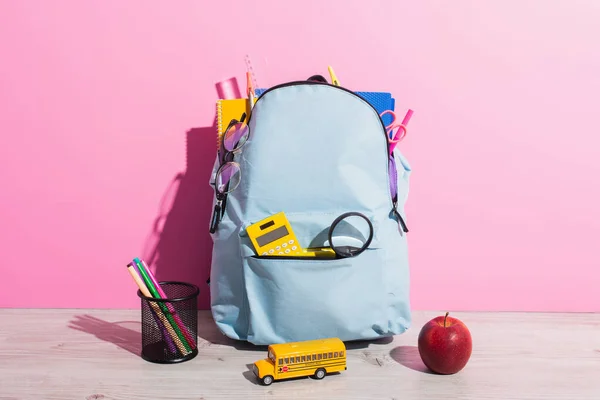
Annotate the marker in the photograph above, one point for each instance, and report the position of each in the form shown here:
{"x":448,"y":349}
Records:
{"x":156,"y":309}
{"x":407,"y":117}
{"x":159,"y":323}
{"x":163,"y":295}
{"x":154,"y":293}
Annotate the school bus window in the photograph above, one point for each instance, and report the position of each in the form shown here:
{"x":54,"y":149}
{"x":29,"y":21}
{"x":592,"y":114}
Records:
{"x":341,"y":354}
{"x":314,"y":357}
{"x":303,"y":358}
{"x":324,"y":356}
{"x":319,"y":356}
{"x":297,"y":359}
{"x":281,"y":361}
{"x":330,"y":355}
{"x":287,"y":360}
{"x":335,"y":354}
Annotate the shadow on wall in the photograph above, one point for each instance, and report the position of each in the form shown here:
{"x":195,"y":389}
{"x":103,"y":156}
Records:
{"x":179,"y":244}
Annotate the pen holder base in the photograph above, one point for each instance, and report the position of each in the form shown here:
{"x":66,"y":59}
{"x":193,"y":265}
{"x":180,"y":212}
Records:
{"x":155,"y":353}
{"x":170,"y":324}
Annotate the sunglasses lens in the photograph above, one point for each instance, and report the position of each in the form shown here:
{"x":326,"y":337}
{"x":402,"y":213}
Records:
{"x":228,"y":177}
{"x":236,"y":136}
{"x":350,"y":235}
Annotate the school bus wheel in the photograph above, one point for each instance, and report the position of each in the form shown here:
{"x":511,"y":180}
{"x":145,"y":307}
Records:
{"x":267,"y":380}
{"x":320,"y":373}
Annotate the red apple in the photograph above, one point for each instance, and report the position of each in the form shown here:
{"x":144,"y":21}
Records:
{"x":445,"y":345}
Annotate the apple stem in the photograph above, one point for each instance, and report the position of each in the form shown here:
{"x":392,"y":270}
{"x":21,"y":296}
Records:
{"x":445,"y":316}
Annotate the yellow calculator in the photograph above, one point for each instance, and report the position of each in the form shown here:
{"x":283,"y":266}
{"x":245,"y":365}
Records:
{"x":274,"y":236}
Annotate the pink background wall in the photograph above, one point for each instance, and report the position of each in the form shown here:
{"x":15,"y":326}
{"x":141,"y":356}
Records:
{"x":106,"y":113}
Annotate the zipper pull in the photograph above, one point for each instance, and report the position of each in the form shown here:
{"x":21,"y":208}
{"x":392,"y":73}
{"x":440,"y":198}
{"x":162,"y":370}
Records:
{"x":401,"y":222}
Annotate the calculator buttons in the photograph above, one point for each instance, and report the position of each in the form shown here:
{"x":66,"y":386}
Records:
{"x":287,"y":250}
{"x":271,"y":251}
{"x":281,"y":252}
{"x":294,"y":247}
{"x":291,"y":241}
{"x":284,"y":245}
{"x":265,"y":253}
{"x":278,"y":248}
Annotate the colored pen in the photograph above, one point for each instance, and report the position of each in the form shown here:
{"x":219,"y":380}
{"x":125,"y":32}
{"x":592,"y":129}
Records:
{"x":159,"y":323}
{"x":155,"y":307}
{"x":155,"y":294}
{"x":163,"y":295}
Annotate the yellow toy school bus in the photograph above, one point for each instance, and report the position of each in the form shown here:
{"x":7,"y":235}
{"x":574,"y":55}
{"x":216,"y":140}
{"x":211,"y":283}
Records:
{"x":296,"y":359}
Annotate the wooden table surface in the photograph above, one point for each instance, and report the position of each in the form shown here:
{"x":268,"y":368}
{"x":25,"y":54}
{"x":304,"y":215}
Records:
{"x":94,"y":354}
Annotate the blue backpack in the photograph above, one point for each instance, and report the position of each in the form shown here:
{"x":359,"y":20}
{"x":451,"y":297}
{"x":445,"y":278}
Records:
{"x":315,"y":151}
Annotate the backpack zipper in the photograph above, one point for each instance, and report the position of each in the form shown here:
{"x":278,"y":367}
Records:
{"x":401,"y":221}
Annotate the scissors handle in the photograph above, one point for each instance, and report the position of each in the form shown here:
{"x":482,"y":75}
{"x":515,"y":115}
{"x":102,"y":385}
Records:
{"x":393,"y":114}
{"x":399,"y":135}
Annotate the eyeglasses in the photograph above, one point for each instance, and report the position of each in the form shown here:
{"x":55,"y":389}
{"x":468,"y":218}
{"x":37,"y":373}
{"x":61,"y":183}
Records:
{"x":229,"y":174}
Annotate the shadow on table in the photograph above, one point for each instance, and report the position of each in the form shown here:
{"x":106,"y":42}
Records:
{"x":112,"y":332}
{"x":410,"y":358}
{"x":208,"y":330}
{"x":249,"y":375}
{"x":363,"y":344}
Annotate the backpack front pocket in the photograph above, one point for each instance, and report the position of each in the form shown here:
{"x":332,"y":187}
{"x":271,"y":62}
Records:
{"x":304,"y":299}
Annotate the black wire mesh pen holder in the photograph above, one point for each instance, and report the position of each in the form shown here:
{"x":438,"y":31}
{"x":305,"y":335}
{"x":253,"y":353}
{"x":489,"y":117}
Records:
{"x":170,"y":325}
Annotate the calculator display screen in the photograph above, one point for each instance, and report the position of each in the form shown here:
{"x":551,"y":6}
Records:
{"x":272,"y":236}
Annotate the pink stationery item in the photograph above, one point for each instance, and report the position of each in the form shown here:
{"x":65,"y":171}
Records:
{"x":400,"y":128}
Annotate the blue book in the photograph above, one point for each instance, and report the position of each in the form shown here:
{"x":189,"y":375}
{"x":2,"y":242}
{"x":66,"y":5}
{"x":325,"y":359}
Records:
{"x":382,"y":101}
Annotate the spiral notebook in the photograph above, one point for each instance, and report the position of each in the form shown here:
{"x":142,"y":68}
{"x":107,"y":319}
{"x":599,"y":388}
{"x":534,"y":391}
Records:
{"x":228,"y":109}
